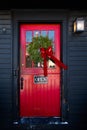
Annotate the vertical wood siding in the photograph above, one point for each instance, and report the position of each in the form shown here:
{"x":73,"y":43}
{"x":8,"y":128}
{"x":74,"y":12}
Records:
{"x":77,"y":72}
{"x":5,"y":69}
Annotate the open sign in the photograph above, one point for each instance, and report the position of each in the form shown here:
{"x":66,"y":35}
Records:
{"x":40,"y":79}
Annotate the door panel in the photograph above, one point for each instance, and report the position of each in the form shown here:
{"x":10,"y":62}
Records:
{"x":39,"y":95}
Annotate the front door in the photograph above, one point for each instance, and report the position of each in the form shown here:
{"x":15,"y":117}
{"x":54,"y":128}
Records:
{"x":39,"y":96}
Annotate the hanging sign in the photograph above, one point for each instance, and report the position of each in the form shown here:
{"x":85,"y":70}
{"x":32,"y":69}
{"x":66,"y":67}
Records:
{"x":40,"y":79}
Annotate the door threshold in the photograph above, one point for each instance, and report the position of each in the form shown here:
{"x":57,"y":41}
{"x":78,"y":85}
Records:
{"x":40,"y":121}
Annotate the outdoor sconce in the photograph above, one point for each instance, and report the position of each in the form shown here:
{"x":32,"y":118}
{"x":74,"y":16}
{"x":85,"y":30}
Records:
{"x":4,"y":30}
{"x":79,"y":25}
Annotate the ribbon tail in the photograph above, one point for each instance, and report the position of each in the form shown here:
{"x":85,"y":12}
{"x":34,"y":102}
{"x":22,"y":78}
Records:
{"x":59,"y":63}
{"x":45,"y":67}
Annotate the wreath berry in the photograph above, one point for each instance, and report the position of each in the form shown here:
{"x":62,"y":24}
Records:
{"x":33,"y":48}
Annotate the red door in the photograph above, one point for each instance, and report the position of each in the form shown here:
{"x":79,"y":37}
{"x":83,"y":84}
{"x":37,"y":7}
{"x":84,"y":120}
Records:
{"x":39,"y":95}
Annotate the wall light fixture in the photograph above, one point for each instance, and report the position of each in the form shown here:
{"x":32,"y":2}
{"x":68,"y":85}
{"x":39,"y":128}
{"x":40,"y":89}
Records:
{"x":79,"y":25}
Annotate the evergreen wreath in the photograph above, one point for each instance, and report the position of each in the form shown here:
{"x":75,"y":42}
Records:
{"x":33,"y":48}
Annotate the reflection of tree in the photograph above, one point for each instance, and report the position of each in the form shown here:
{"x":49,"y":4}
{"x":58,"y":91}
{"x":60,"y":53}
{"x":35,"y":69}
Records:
{"x":28,"y":59}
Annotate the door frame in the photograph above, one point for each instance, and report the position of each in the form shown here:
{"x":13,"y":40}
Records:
{"x":43,"y":16}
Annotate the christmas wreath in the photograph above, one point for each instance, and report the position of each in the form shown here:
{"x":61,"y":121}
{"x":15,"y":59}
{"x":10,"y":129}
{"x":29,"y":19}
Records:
{"x":41,"y":50}
{"x":33,"y":48}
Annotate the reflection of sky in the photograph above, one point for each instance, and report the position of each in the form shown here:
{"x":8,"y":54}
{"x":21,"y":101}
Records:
{"x":29,"y":36}
{"x":51,"y":35}
{"x":43,"y":33}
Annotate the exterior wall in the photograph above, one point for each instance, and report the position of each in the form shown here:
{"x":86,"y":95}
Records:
{"x":75,"y":49}
{"x":77,"y":72}
{"x":5,"y":69}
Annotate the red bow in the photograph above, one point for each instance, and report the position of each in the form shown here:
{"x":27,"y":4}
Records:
{"x":48,"y":53}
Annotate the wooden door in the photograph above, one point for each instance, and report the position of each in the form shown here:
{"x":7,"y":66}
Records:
{"x":39,"y":96}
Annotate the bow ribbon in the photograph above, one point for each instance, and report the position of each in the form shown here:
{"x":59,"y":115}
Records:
{"x":48,"y":53}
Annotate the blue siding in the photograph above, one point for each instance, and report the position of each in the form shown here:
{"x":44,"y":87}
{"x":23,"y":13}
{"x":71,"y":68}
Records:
{"x":77,"y":72}
{"x":5,"y":69}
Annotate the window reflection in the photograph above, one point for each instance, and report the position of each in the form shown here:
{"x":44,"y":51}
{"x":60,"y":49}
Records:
{"x":51,"y":64}
{"x":28,"y":36}
{"x":36,"y":33}
{"x":43,"y":33}
{"x":28,"y":62}
{"x":51,"y":36}
{"x":28,"y":41}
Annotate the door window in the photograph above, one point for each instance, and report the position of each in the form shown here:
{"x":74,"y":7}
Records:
{"x":29,"y":36}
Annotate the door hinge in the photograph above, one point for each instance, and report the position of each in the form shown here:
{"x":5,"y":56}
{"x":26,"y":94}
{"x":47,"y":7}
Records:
{"x":15,"y":72}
